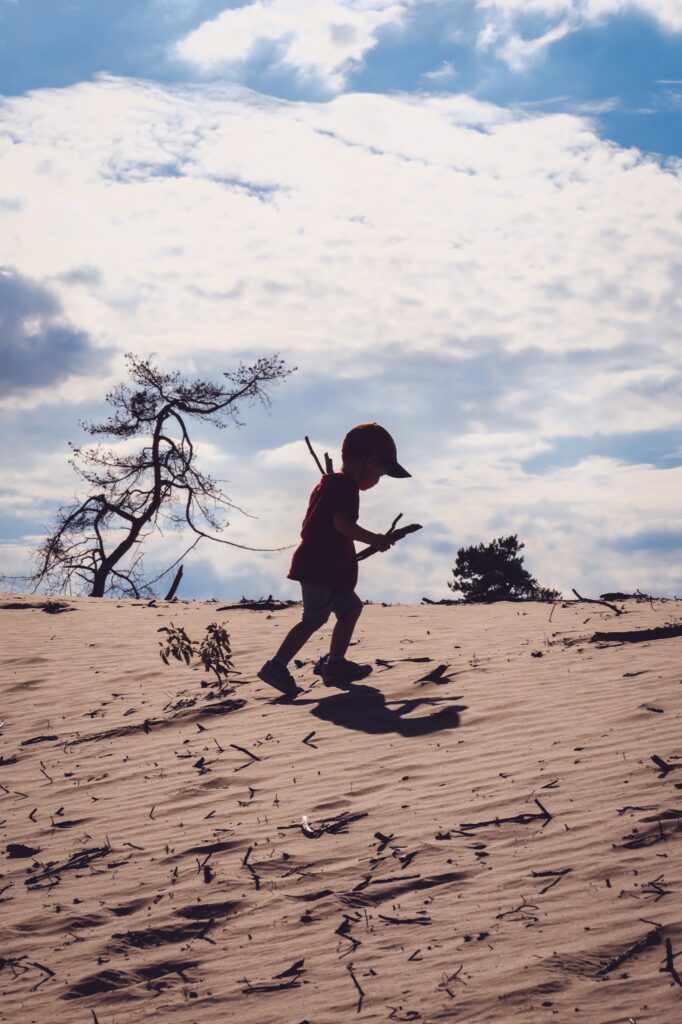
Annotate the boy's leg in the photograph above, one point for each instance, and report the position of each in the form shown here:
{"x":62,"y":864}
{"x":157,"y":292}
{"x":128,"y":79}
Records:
{"x":317,"y":605}
{"x":334,"y":668}
{"x":275,"y":671}
{"x":297,"y":636}
{"x":346,"y":621}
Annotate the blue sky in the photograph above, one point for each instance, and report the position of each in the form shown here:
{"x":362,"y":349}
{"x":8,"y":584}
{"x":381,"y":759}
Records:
{"x":460,"y":218}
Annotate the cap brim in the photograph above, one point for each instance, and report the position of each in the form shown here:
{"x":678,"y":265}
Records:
{"x":394,"y":469}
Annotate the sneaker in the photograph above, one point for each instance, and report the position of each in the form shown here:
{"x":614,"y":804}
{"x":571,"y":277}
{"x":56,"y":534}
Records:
{"x":339,"y":671}
{"x":274,"y":673}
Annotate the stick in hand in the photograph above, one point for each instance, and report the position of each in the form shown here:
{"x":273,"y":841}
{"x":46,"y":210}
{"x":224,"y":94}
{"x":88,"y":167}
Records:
{"x":395,"y":534}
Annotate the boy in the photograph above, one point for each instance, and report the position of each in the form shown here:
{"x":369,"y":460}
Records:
{"x":324,"y":562}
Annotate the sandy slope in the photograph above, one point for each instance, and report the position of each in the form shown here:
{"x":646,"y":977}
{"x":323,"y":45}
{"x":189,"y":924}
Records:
{"x":171,"y":879}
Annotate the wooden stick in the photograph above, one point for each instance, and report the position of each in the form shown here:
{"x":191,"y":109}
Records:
{"x":670,"y":963}
{"x":396,"y":535}
{"x":594,"y":600}
{"x":245,"y":751}
{"x":663,"y":766}
{"x":394,"y":523}
{"x":517,"y":819}
{"x":176,"y":583}
{"x":349,"y":968}
{"x":651,"y":938}
{"x":312,"y":452}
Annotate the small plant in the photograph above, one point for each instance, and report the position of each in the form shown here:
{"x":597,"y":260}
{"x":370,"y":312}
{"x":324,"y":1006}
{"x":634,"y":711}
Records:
{"x":178,"y":645}
{"x":213,"y":650}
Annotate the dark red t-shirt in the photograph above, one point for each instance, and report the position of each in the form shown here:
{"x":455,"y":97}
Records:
{"x":324,"y":555}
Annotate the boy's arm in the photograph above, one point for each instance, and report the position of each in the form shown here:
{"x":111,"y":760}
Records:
{"x":347,"y":528}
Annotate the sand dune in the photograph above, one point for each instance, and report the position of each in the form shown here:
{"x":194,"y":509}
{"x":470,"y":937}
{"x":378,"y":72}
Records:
{"x":153,"y":863}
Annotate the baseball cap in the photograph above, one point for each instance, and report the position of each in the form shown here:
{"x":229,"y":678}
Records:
{"x":373,"y":439}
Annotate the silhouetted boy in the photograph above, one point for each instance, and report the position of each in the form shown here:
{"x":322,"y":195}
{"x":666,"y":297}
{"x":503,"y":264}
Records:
{"x":324,"y":562}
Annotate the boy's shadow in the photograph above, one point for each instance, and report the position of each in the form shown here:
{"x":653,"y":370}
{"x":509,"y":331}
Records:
{"x":365,"y":709}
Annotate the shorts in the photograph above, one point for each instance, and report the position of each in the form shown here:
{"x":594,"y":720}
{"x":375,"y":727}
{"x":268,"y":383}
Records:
{"x":320,"y":601}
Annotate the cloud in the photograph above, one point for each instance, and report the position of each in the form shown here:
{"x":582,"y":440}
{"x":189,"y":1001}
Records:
{"x":519,"y":53}
{"x":324,"y":40}
{"x":668,"y":13}
{"x":500,"y":31}
{"x":38,"y":346}
{"x":486,"y":281}
{"x":445,"y":71}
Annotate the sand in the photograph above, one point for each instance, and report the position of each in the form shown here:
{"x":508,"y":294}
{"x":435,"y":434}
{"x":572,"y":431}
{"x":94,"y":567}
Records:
{"x":152,"y":860}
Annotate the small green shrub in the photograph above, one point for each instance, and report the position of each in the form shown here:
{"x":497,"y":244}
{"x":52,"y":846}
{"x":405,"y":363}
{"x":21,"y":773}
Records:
{"x":213,"y":651}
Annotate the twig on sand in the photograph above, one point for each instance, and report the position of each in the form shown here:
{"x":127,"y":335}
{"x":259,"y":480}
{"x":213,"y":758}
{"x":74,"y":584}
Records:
{"x":344,"y":930}
{"x":405,"y":920}
{"x":597,"y":600}
{"x":349,"y":968}
{"x":447,"y":980}
{"x":664,"y":767}
{"x":517,"y":819}
{"x":638,"y":636}
{"x":524,"y":911}
{"x":436,"y":675}
{"x":651,"y":938}
{"x":656,"y":888}
{"x":555,"y":877}
{"x":328,"y":826}
{"x":21,"y":965}
{"x":249,"y":867}
{"x":670,"y":963}
{"x":247,"y":764}
{"x":270,"y":986}
{"x":383,"y":840}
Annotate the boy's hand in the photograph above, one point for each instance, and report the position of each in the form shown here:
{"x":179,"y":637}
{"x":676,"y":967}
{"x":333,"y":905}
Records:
{"x":382,"y":541}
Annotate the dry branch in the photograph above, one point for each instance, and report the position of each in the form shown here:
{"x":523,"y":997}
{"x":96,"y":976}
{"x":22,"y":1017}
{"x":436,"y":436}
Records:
{"x":517,"y":819}
{"x":651,"y":938}
{"x":670,"y":963}
{"x":595,"y":600}
{"x":175,"y":584}
{"x":636,"y":636}
{"x":312,"y":452}
{"x":349,"y":968}
{"x":664,"y":767}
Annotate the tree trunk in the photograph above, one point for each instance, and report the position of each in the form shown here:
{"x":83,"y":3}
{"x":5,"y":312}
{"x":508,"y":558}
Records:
{"x":176,"y":583}
{"x":99,"y":582}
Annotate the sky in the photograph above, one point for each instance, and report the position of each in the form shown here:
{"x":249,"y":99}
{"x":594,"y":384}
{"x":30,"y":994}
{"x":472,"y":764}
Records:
{"x":459,"y":218}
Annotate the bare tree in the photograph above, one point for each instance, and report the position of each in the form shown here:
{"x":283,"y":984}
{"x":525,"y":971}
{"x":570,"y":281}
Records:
{"x":95,"y":546}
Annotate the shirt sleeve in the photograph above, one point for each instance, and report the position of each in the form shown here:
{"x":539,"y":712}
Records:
{"x":344,"y":497}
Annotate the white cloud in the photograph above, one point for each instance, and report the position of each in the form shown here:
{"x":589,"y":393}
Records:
{"x":563,"y":17}
{"x":323,"y":40}
{"x":443,"y":72}
{"x":668,"y":13}
{"x":522,"y":274}
{"x":519,"y":53}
